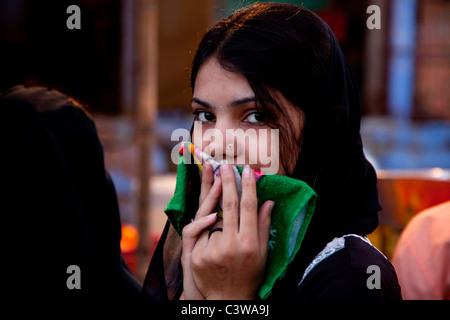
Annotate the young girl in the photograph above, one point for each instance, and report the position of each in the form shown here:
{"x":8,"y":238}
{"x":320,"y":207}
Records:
{"x":277,"y":66}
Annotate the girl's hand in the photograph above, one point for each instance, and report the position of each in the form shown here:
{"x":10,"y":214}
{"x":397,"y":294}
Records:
{"x":230,"y":264}
{"x":209,"y":197}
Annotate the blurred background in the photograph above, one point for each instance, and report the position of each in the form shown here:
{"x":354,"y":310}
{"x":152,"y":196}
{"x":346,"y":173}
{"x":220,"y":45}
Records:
{"x":129,"y":65}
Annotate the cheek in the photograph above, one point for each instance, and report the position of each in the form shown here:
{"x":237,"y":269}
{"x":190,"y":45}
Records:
{"x":196,"y":138}
{"x":198,"y":135}
{"x":269,"y":152}
{"x":282,"y":151}
{"x":207,"y":139}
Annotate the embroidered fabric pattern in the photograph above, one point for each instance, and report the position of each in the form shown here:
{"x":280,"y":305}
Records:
{"x":332,"y":247}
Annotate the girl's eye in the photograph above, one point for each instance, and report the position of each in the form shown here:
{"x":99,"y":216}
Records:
{"x":205,"y":116}
{"x":255,"y":117}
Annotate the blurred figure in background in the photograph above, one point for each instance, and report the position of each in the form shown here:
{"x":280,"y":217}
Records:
{"x":422,"y":255}
{"x":59,"y":207}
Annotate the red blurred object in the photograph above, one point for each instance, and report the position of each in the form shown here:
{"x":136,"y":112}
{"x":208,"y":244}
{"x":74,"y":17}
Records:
{"x":338,"y":21}
{"x":154,"y":239}
{"x":128,"y":245}
{"x":402,"y":195}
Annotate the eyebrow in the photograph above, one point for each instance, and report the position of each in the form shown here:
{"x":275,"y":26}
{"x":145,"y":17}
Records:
{"x":235,"y":103}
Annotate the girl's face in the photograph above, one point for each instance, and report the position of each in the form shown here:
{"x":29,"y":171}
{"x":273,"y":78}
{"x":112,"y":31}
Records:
{"x":233,"y":128}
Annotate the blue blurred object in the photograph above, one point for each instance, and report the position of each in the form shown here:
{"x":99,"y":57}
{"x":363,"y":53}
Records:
{"x":402,"y":144}
{"x":402,"y":42}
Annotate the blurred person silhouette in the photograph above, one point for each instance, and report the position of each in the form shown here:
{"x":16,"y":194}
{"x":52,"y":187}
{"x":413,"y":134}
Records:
{"x":422,"y":255}
{"x":59,"y":206}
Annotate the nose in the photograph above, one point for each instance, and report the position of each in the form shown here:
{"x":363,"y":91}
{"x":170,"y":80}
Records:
{"x":219,"y":141}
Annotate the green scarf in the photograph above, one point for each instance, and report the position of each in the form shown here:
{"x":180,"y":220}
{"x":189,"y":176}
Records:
{"x":290,"y":217}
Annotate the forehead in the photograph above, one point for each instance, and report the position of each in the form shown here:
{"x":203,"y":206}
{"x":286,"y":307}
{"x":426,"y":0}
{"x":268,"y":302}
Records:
{"x":218,"y":86}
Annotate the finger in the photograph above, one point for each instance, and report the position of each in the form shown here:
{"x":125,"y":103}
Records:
{"x":215,"y":236}
{"x":264,"y":219}
{"x":202,"y":240}
{"x":230,"y":199}
{"x":191,"y":233}
{"x":209,"y":204}
{"x":193,"y":230}
{"x":248,"y":224}
{"x":207,"y":181}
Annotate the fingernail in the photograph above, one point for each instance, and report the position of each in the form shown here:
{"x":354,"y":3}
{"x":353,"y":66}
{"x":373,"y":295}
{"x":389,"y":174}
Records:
{"x":246,"y":172}
{"x":224,"y":168}
{"x":212,"y":215}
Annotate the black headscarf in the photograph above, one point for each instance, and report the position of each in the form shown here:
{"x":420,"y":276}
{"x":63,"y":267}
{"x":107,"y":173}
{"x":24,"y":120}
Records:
{"x":59,"y":207}
{"x":331,"y":161}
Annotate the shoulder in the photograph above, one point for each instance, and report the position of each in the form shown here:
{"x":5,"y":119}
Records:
{"x":432,"y":222}
{"x":349,"y":268}
{"x":424,"y":248}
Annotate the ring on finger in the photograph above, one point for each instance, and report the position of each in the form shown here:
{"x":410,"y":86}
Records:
{"x":214,"y":230}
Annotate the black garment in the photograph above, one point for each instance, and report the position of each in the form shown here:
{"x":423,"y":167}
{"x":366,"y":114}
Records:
{"x":59,"y":207}
{"x":331,"y":161}
{"x":349,"y":274}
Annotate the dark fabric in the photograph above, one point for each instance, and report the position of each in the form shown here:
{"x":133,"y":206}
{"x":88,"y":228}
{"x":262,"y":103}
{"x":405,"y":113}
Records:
{"x":344,"y":276}
{"x":164,"y":277}
{"x":332,"y":162}
{"x":59,"y":206}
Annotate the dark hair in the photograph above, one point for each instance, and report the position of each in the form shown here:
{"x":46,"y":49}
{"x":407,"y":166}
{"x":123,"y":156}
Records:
{"x":277,"y":47}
